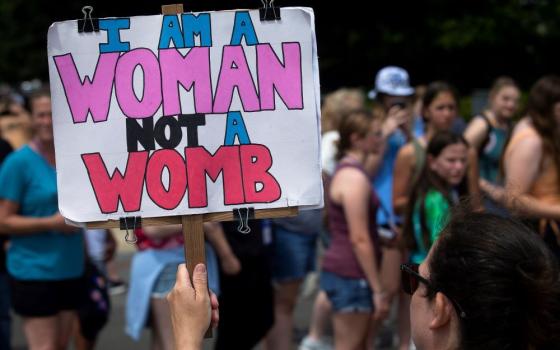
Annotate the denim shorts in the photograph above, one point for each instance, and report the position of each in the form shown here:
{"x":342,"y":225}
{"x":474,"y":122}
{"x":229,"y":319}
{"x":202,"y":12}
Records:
{"x":347,"y":294}
{"x":165,"y":281}
{"x":294,"y":254}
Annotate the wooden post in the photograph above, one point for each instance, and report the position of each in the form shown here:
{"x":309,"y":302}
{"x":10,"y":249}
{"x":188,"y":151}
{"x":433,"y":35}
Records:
{"x":193,"y":233}
{"x":171,"y":9}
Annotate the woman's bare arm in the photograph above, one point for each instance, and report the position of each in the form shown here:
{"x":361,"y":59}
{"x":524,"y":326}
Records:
{"x":402,"y":178}
{"x":522,"y":166}
{"x":11,"y":223}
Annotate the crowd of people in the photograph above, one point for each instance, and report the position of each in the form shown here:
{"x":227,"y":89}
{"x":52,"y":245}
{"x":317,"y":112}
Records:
{"x":446,"y":232}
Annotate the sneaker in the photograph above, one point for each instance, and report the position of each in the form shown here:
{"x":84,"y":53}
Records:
{"x":117,"y":287}
{"x":312,"y":344}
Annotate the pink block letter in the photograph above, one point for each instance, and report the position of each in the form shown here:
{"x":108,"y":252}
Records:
{"x":284,"y":78}
{"x":234,"y":72}
{"x":87,"y":95}
{"x":148,"y":104}
{"x":191,"y":72}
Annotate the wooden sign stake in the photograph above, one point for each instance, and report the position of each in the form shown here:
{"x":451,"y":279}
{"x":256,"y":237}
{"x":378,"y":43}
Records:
{"x":193,"y":234}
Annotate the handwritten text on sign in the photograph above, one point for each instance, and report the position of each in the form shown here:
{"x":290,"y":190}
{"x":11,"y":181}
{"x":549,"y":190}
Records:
{"x":164,"y":115}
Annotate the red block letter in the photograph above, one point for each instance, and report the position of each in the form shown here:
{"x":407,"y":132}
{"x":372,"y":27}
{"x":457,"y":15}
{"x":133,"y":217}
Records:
{"x":200,"y":162}
{"x":110,"y":189}
{"x":172,"y":160}
{"x":255,"y":163}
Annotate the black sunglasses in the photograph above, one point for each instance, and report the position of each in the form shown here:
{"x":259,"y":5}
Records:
{"x":411,"y":279}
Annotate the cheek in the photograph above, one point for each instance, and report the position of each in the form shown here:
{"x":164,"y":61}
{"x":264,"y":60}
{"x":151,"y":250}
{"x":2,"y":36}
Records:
{"x":443,"y":118}
{"x":418,"y":321}
{"x":441,"y":168}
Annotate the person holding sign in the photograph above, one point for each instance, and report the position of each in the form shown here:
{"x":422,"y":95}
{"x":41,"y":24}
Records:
{"x":152,"y":275}
{"x":46,"y":257}
{"x":351,"y":265}
{"x":193,"y":309}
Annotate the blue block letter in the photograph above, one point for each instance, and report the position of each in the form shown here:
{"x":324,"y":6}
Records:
{"x":170,"y":31}
{"x":243,"y":27}
{"x":235,"y":126}
{"x":113,"y":27}
{"x":199,"y":26}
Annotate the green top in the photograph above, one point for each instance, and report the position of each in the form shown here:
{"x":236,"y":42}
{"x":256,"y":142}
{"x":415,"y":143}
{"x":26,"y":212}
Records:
{"x":436,"y":209}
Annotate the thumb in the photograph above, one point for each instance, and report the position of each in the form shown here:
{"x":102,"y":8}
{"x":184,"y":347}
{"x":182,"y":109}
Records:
{"x":183,"y":276}
{"x":200,"y":279}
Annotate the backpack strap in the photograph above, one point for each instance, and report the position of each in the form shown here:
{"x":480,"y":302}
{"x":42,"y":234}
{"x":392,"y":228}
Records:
{"x":420,"y":159}
{"x":489,"y":129}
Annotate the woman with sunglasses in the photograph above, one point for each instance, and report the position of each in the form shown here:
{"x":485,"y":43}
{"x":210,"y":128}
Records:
{"x":438,"y":187}
{"x":487,"y":283}
{"x":350,"y":272}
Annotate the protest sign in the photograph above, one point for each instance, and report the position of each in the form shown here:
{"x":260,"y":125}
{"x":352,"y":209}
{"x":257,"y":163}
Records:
{"x":182,"y":114}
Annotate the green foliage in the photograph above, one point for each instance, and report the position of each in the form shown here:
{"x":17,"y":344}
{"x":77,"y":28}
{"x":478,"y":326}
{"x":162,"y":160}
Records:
{"x":467,"y":42}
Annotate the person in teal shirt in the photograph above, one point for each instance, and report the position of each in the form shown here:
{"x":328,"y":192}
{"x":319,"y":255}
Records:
{"x":489,"y":132}
{"x":435,"y":191}
{"x":45,"y":260}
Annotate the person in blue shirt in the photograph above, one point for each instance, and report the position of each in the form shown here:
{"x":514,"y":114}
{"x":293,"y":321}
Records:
{"x":45,"y":260}
{"x":394,"y":96}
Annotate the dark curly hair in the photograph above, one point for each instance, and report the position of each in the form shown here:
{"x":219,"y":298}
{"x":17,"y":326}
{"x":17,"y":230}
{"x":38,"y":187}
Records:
{"x":505,"y":279}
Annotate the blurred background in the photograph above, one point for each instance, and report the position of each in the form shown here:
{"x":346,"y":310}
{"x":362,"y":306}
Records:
{"x":466,"y":42}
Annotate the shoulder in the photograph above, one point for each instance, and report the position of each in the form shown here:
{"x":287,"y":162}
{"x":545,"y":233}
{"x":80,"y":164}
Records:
{"x":478,"y":123}
{"x":349,"y":184}
{"x":525,"y":136}
{"x":17,"y":158}
{"x":407,"y":151}
{"x":351,"y":173}
{"x":435,"y":198}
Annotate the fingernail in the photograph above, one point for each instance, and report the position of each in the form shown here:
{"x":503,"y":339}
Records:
{"x":200,"y":268}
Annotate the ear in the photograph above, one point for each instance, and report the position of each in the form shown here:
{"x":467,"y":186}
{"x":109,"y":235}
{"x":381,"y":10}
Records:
{"x":441,"y":311}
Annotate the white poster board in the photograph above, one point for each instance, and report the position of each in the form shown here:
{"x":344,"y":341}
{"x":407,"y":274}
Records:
{"x":185,"y":114}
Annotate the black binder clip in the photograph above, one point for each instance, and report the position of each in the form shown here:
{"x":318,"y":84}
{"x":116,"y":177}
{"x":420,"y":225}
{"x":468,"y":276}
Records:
{"x":269,"y":12}
{"x":243,"y":215}
{"x":131,"y":223}
{"x":88,"y":24}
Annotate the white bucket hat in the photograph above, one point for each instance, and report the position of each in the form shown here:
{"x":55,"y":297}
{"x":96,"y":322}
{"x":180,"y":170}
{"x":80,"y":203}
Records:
{"x":392,"y":80}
